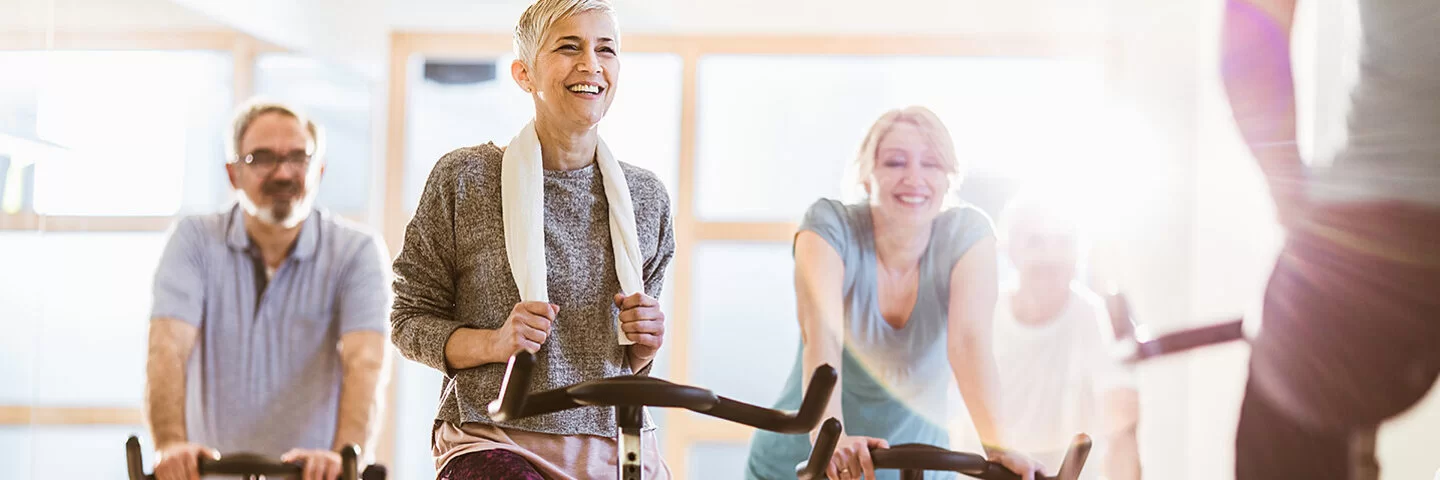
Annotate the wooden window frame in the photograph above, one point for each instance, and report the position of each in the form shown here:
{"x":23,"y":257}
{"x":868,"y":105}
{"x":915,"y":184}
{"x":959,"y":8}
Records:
{"x":244,"y":51}
{"x":683,"y":429}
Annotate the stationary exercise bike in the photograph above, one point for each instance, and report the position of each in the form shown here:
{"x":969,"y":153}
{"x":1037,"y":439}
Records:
{"x":914,"y":459}
{"x":250,"y":466}
{"x":629,"y":394}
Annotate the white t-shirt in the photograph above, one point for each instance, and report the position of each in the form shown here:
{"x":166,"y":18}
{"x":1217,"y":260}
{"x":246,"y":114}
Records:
{"x":1053,"y":378}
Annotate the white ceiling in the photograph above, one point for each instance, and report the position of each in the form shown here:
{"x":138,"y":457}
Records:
{"x":648,"y":16}
{"x":356,"y":32}
{"x":780,"y":16}
{"x":100,"y":15}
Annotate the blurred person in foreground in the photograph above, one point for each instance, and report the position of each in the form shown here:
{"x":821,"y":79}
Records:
{"x":1351,"y":334}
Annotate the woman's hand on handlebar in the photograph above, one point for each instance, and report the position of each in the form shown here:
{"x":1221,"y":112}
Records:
{"x":1016,"y":462}
{"x":851,"y":460}
{"x":181,"y":461}
{"x":527,"y":328}
{"x":643,"y":323}
{"x":319,"y":464}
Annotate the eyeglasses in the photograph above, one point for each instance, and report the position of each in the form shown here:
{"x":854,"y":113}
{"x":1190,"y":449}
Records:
{"x":267,"y":160}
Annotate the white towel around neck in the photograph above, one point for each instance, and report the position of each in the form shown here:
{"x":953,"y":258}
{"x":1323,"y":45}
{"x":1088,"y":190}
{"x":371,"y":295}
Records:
{"x":522,"y":201}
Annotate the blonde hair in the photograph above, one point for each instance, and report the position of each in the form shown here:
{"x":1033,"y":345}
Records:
{"x":930,"y":127}
{"x":253,"y":109}
{"x":541,"y":15}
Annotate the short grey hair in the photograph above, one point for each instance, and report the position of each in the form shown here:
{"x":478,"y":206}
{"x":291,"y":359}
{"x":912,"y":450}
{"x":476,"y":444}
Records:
{"x":253,"y":109}
{"x":1048,"y":206}
{"x":541,"y":15}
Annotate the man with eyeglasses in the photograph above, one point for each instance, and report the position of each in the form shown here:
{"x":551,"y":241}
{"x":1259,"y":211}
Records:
{"x":270,"y":319}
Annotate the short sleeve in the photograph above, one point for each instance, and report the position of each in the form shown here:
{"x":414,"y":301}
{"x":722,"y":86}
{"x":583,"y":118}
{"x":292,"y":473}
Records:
{"x":179,"y":289}
{"x":957,"y":230}
{"x":827,"y":219}
{"x":365,"y":289}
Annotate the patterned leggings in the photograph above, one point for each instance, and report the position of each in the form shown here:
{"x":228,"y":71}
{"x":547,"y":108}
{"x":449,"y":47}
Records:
{"x":489,"y":465}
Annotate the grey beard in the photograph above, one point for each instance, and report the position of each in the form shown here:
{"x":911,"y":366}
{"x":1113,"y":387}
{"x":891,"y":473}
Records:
{"x":283,"y":214}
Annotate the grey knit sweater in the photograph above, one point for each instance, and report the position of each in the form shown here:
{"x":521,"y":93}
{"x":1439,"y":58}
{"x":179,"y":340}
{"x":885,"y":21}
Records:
{"x":453,"y":272}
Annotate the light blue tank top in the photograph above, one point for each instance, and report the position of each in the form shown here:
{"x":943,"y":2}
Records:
{"x":893,"y":381}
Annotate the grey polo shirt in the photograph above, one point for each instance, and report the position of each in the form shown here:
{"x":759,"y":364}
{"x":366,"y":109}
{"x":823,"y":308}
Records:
{"x":265,"y":373}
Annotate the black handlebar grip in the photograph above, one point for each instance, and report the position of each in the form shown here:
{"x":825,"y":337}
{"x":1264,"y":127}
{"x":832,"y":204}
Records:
{"x":1122,"y":323}
{"x":1184,"y":340}
{"x":511,"y":403}
{"x":1074,"y":461}
{"x":350,"y":462}
{"x":134,"y":465}
{"x":1075,"y":457}
{"x":825,"y":443}
{"x":248,"y":464}
{"x":817,"y":397}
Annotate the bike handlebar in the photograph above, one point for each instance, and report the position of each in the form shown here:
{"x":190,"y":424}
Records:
{"x":631,"y":390}
{"x":915,"y":456}
{"x":244,"y":464}
{"x":1136,"y":346}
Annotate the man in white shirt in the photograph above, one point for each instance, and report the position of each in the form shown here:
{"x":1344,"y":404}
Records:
{"x":1052,"y":344}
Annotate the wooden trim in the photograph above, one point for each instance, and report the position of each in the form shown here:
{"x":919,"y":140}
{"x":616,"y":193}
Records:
{"x":133,"y":40}
{"x":30,"y":222}
{"x":946,"y":45}
{"x":21,"y":415}
{"x":243,"y":53}
{"x":677,"y":330}
{"x":696,"y":428}
{"x":34,"y":222}
{"x":746,"y":231}
{"x":152,"y":40}
{"x":385,"y":437}
{"x":405,"y":44}
{"x":393,"y":217}
{"x":392,"y":214}
{"x":1065,"y":45}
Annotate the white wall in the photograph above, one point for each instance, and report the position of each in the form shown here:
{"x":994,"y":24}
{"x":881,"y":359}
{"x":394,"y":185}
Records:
{"x":1153,"y":72}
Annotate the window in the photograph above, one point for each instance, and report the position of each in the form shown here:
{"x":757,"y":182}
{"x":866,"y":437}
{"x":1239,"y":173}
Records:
{"x":642,"y":127}
{"x":717,"y":461}
{"x":762,"y":274}
{"x":139,"y":131}
{"x":766,"y":121}
{"x":340,"y":102}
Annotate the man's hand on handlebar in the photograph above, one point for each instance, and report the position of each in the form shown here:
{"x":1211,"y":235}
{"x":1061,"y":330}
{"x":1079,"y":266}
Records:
{"x":851,"y":460}
{"x":319,"y":464}
{"x":181,"y":461}
{"x":1016,"y":462}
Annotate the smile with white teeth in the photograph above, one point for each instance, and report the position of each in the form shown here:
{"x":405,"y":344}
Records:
{"x":912,"y":199}
{"x":584,"y":88}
